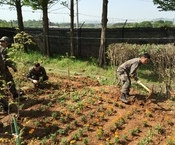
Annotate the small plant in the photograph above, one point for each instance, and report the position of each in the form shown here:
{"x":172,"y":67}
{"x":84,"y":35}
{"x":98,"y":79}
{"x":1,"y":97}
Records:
{"x":116,"y":137}
{"x":62,"y":131}
{"x":54,"y":115}
{"x":119,"y":122}
{"x":75,"y":123}
{"x":43,"y":142}
{"x":150,"y":133}
{"x":170,"y":141}
{"x":77,"y":111}
{"x":159,"y":128}
{"x":36,"y":123}
{"x":91,"y":114}
{"x":144,"y":123}
{"x":120,"y":106}
{"x":148,"y":113}
{"x":125,"y":137}
{"x":108,"y":142}
{"x":100,"y":108}
{"x":87,"y":127}
{"x":112,"y":128}
{"x":102,"y":115}
{"x":75,"y":96}
{"x":80,"y":132}
{"x":62,"y":119}
{"x":128,"y":115}
{"x":64,"y":141}
{"x":53,"y":136}
{"x":85,"y":141}
{"x":135,"y":109}
{"x":49,"y":104}
{"x":83,"y":118}
{"x":145,"y":141}
{"x":109,"y":111}
{"x":135,"y":131}
{"x":91,"y":101}
{"x":100,"y":132}
{"x":75,"y":136}
{"x":169,"y":120}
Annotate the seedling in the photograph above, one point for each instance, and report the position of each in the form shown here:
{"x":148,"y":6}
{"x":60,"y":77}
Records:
{"x":64,"y":141}
{"x":159,"y":128}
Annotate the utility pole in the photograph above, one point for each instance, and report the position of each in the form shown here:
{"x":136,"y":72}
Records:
{"x":77,"y":15}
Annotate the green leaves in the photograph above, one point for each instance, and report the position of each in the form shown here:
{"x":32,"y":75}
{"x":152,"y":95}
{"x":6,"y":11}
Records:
{"x":165,"y":5}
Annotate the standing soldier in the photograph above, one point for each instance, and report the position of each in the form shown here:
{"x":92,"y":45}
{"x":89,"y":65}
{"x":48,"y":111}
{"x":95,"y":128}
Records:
{"x":128,"y":70}
{"x":3,"y":100}
{"x":4,"y":42}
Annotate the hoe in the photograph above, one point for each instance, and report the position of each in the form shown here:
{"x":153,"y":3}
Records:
{"x":147,"y":89}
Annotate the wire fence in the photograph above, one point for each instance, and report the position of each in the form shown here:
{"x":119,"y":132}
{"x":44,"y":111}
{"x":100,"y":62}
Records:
{"x":87,"y":41}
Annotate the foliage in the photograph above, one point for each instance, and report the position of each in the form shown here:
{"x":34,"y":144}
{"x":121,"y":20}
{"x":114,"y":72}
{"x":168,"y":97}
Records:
{"x":165,"y":5}
{"x":40,"y":4}
{"x":162,"y":23}
{"x":24,"y":41}
{"x":146,"y":24}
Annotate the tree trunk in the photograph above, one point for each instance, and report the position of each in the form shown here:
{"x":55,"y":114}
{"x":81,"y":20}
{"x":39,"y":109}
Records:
{"x":72,"y":28}
{"x":46,"y":32}
{"x":102,"y":50}
{"x":19,"y":14}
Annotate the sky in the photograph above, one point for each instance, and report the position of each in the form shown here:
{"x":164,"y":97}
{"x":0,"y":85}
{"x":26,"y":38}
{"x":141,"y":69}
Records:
{"x":91,"y":11}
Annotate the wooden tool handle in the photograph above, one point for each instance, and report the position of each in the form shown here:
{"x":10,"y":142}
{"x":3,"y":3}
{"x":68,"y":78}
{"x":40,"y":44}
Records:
{"x":146,"y":88}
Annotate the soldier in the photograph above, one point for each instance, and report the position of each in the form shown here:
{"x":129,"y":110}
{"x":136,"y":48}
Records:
{"x":37,"y":74}
{"x":3,"y":100}
{"x":128,"y":70}
{"x":4,"y":43}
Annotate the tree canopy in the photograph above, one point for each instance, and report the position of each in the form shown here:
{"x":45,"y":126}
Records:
{"x":165,"y":5}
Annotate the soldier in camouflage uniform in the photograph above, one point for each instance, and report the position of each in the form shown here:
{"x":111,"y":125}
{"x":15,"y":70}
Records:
{"x":128,"y":70}
{"x":3,"y":100}
{"x":37,"y":74}
{"x":4,"y":42}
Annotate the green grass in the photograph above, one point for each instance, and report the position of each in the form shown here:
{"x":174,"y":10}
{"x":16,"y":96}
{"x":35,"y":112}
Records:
{"x":65,"y":64}
{"x":73,"y":66}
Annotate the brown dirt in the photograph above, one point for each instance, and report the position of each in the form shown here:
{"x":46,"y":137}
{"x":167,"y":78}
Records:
{"x":78,"y":110}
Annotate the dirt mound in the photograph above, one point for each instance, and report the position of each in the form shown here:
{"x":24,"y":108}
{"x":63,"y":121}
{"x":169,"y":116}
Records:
{"x":78,"y":110}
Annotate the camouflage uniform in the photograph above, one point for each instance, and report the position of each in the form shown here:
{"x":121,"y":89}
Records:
{"x":126,"y":71}
{"x":8,"y":76}
{"x":3,"y":76}
{"x":37,"y":75}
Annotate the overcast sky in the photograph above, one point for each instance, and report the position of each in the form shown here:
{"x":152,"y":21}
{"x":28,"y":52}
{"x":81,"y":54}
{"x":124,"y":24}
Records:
{"x":91,"y":10}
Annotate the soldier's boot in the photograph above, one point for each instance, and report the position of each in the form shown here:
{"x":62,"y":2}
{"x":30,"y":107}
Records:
{"x":123,"y":98}
{"x":130,"y":96}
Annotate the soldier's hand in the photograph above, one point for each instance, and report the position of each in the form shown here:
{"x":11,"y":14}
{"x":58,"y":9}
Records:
{"x":34,"y":81}
{"x":138,"y":81}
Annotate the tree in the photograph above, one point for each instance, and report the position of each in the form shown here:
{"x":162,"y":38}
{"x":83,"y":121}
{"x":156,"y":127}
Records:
{"x":43,"y":5}
{"x":18,"y":5}
{"x":71,"y":8}
{"x":161,"y":23}
{"x":145,"y":24}
{"x":102,"y":50}
{"x":165,"y":5}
